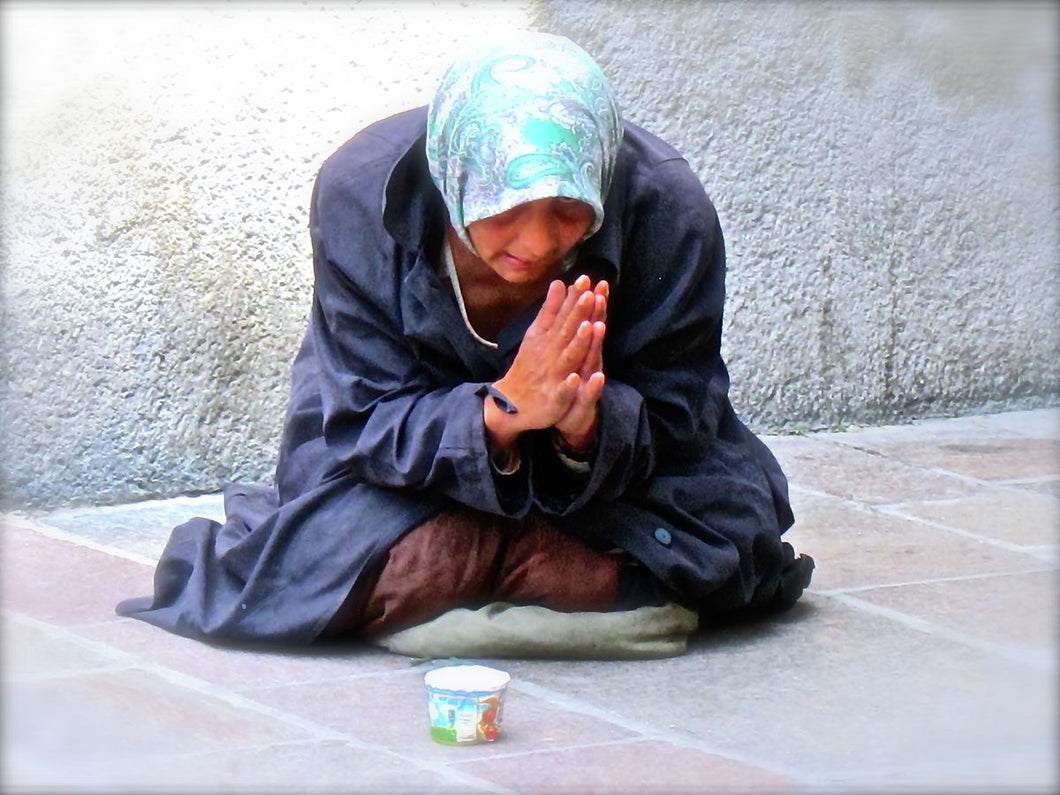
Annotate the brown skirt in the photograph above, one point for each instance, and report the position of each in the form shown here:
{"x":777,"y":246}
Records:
{"x":466,"y":558}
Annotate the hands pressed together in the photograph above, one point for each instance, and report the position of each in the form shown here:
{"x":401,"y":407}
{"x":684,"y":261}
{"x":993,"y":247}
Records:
{"x":556,"y":378}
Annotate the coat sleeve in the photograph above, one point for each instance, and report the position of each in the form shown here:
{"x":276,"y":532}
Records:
{"x":385,"y":418}
{"x":667,"y":385}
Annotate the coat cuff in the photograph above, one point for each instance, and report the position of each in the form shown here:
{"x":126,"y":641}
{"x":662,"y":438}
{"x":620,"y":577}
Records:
{"x":506,"y":484}
{"x":623,"y":454}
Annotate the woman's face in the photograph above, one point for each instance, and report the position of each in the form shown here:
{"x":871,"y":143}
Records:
{"x":529,"y":242}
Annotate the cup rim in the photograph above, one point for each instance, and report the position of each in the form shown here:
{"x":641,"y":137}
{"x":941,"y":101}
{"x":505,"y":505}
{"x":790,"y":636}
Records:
{"x":467,"y":679}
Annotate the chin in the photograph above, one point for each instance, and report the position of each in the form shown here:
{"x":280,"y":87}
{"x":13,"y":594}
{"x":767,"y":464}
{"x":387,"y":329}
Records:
{"x":514,"y":274}
{"x":521,"y":277}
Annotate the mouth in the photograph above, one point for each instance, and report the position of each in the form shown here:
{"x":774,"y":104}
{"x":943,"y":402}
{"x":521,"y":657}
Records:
{"x":518,"y":262}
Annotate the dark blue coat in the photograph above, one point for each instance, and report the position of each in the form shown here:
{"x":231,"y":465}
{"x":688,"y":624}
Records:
{"x":384,"y":426}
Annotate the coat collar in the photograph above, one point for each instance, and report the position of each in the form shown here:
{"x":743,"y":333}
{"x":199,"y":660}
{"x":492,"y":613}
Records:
{"x":606,"y":244}
{"x":413,"y":211}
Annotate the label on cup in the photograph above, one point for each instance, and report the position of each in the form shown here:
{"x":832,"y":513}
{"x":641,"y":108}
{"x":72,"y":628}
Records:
{"x":466,"y":725}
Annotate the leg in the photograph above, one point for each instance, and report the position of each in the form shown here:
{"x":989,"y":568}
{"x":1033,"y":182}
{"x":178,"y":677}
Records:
{"x":465,"y":558}
{"x":449,"y":561}
{"x":542,"y":566}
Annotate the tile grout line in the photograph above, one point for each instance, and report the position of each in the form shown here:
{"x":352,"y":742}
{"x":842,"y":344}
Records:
{"x":125,"y":661}
{"x":797,"y":488}
{"x":1040,"y":660}
{"x":74,"y":777}
{"x":210,"y":499}
{"x":895,"y":509}
{"x":930,"y":581}
{"x":1036,"y":480}
{"x":1008,"y":484}
{"x":950,"y":501}
{"x":326,"y":680}
{"x":645,"y":731}
{"x":317,"y":731}
{"x":838,"y":779}
{"x":56,"y":534}
{"x":133,"y":661}
{"x":565,"y":747}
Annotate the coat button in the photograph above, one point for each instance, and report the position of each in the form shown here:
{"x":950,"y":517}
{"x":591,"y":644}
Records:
{"x":662,"y":535}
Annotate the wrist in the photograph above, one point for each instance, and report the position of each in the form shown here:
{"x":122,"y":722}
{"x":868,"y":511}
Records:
{"x":578,"y":447}
{"x":505,"y":461}
{"x":502,"y":427}
{"x":501,"y":400}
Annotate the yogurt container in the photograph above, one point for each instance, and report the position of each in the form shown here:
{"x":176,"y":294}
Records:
{"x":465,"y":703}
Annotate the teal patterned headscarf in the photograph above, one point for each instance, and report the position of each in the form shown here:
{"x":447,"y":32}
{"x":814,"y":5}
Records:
{"x":528,"y":119}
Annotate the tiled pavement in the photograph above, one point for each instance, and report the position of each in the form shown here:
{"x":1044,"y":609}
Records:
{"x":924,"y":657}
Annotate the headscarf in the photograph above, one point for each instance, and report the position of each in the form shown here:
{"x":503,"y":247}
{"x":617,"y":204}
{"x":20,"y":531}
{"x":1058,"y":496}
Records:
{"x":531,"y":118}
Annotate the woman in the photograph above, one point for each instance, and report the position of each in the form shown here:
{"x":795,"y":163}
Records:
{"x":511,"y":387}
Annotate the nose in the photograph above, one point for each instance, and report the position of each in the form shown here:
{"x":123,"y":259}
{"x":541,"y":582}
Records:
{"x":539,"y":235}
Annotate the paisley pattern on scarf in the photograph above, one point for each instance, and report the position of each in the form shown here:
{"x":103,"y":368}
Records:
{"x":528,"y":119}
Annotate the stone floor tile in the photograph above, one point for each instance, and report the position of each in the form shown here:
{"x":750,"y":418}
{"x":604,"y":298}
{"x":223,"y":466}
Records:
{"x":101,"y":719}
{"x":827,"y":688}
{"x":1017,"y":516}
{"x":643,"y":766}
{"x":865,"y":476}
{"x":325,"y":766}
{"x":992,"y":458}
{"x":1014,"y":773}
{"x":63,"y":582}
{"x":1039,"y":423}
{"x":1021,"y":609}
{"x":392,"y":710}
{"x":1050,"y":487}
{"x":240,"y":668}
{"x":902,"y":668}
{"x":923,"y":431}
{"x":142,"y":528}
{"x":32,"y":650}
{"x":854,"y":546}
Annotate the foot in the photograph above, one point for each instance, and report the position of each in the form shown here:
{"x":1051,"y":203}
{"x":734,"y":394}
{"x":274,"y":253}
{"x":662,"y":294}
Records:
{"x":794,"y":579}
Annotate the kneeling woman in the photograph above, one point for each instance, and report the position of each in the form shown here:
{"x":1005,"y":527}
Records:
{"x":511,"y":388}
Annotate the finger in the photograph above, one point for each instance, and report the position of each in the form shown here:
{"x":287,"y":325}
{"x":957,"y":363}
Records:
{"x":594,"y":356}
{"x":560,"y":350}
{"x":600,"y":309}
{"x":603,"y":288}
{"x":571,"y":296}
{"x":552,"y":307}
{"x":582,"y":414}
{"x":580,"y":312}
{"x":590,"y":391}
{"x":601,"y":292}
{"x":579,"y":287}
{"x":567,"y":391}
{"x":573,"y":358}
{"x":593,"y":389}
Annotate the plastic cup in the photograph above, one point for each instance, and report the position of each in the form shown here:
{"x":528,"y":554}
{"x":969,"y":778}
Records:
{"x":465,"y":703}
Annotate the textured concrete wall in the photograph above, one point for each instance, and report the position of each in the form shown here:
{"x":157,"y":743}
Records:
{"x":158,"y":162}
{"x":886,"y":175}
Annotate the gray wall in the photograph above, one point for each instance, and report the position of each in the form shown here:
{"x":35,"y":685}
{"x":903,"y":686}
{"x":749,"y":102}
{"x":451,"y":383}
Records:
{"x":886,"y":175}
